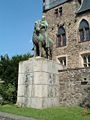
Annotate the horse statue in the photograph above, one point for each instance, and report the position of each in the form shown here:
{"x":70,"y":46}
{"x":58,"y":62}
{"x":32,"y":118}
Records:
{"x":41,"y":40}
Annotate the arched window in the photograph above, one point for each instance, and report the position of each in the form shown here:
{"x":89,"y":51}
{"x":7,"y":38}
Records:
{"x":61,"y":37}
{"x":84,"y":31}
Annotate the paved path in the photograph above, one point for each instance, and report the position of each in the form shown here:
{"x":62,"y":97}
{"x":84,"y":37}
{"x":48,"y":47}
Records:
{"x":7,"y":116}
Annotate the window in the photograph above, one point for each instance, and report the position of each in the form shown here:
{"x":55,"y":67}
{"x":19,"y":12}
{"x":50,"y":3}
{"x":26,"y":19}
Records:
{"x":60,"y":11}
{"x":86,"y":60}
{"x":62,"y":60}
{"x":56,"y":12}
{"x":84,"y":31}
{"x":61,"y":37}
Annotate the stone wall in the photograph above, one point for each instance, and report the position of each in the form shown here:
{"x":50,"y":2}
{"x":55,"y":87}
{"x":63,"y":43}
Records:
{"x":70,"y":20}
{"x":74,"y":86}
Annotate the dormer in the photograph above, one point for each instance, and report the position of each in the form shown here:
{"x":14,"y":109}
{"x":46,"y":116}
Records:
{"x":84,"y":6}
{"x":79,"y":1}
{"x":78,"y":4}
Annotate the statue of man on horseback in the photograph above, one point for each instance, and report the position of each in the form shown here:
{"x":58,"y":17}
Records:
{"x":41,"y":40}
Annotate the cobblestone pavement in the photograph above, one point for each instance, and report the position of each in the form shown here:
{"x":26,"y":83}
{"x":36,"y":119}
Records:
{"x":7,"y":116}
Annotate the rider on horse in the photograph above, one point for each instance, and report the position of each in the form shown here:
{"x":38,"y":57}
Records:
{"x":44,"y":23}
{"x":41,"y":38}
{"x":44,"y":26}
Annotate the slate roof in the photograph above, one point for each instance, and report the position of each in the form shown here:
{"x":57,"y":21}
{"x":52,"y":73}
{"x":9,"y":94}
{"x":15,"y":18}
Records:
{"x":85,"y":6}
{"x":54,"y":3}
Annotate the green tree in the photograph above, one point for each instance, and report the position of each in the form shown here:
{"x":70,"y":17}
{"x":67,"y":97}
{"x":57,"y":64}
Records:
{"x":9,"y":74}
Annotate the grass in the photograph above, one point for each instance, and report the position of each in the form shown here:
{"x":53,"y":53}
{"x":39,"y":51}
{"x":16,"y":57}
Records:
{"x":56,"y":113}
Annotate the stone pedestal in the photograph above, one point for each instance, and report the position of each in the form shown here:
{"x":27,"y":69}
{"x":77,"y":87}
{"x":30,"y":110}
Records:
{"x":38,"y":83}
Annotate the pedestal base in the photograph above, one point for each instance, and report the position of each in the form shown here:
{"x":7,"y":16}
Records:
{"x":38,"y":83}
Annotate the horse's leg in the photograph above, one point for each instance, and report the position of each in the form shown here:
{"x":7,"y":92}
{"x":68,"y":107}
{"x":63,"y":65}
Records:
{"x":35,"y":53}
{"x":40,"y":49}
{"x":47,"y":55}
{"x":50,"y":54}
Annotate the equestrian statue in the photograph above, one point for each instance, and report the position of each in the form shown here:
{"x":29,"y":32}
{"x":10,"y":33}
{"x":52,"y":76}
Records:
{"x":42,"y":43}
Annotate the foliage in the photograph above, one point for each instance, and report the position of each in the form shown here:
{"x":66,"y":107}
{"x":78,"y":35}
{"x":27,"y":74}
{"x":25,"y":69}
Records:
{"x":55,"y":113}
{"x":9,"y":74}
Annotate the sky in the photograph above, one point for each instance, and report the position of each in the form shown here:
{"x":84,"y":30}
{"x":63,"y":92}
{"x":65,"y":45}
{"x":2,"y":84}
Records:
{"x":17,"y":18}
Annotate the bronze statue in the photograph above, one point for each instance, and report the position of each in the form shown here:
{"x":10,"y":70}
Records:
{"x":41,"y":39}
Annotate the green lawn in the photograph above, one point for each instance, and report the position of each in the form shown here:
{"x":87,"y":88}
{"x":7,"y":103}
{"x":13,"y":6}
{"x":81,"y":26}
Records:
{"x":57,"y":113}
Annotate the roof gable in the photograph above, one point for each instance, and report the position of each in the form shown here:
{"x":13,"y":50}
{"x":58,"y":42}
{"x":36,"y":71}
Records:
{"x":84,"y":6}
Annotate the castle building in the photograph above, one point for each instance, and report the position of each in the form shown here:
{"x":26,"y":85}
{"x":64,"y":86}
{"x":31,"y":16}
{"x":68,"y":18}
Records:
{"x":69,"y":27}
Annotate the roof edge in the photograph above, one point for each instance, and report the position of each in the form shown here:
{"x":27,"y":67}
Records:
{"x":54,"y":4}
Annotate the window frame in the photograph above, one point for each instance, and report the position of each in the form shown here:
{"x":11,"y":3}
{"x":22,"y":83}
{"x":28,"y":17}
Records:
{"x":84,"y":32}
{"x":62,"y":58}
{"x":86,"y":59}
{"x":58,"y":12}
{"x":61,"y":37}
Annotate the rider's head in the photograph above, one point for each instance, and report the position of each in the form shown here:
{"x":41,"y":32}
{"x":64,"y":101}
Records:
{"x":43,"y":17}
{"x":36,"y":22}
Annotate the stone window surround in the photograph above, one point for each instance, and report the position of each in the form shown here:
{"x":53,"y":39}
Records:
{"x":61,"y":42}
{"x":62,"y":56}
{"x":66,"y":29}
{"x":77,"y":27}
{"x":81,"y":58}
{"x":62,"y":26}
{"x":84,"y":31}
{"x":60,"y":11}
{"x":86,"y":59}
{"x":56,"y":13}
